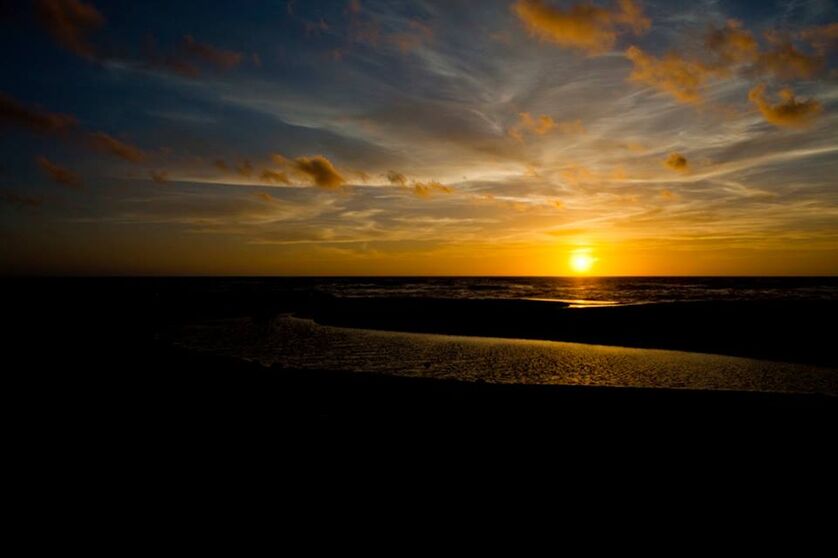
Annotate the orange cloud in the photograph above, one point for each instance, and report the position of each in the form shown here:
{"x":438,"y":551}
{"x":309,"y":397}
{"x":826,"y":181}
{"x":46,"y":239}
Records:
{"x":582,"y":26}
{"x":787,"y":62}
{"x":396,"y":178}
{"x":572,"y":127}
{"x":274,"y":177}
{"x":417,"y":34}
{"x":732,"y":45}
{"x":317,"y":168}
{"x":789,"y":111}
{"x":41,"y":122}
{"x":672,"y":74}
{"x":539,"y":126}
{"x":677,"y":162}
{"x":427,"y":189}
{"x":823,"y":38}
{"x":108,"y":144}
{"x":70,"y":22}
{"x":58,"y":174}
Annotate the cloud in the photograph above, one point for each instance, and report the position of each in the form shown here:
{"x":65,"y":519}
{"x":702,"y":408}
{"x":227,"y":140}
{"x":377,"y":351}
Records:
{"x":396,"y":178}
{"x":274,"y":177}
{"x":160,"y":177}
{"x":677,"y":162}
{"x":417,"y":34}
{"x":58,"y":174}
{"x":108,"y":144}
{"x":11,"y":198}
{"x":671,"y":74}
{"x":35,"y":120}
{"x":731,"y":45}
{"x":220,"y":58}
{"x":582,"y":26}
{"x":427,"y":189}
{"x":822,"y":38}
{"x":789,"y":111}
{"x":526,"y":123}
{"x":317,"y":168}
{"x":70,"y":22}
{"x":787,"y":62}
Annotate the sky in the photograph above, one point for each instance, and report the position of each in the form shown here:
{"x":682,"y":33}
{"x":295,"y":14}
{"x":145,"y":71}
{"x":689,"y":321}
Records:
{"x":426,"y":137}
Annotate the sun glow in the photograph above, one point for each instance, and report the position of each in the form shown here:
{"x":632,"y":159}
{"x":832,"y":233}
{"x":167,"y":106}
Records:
{"x":581,"y":262}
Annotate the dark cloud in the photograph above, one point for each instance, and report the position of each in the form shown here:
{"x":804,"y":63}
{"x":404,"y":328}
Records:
{"x":789,"y":112}
{"x":318,"y":169}
{"x":427,"y":189}
{"x":785,"y":61}
{"x":18,"y":200}
{"x":218,"y":57}
{"x":274,"y":177}
{"x":677,"y":162}
{"x":71,"y":22}
{"x":60,"y":175}
{"x":396,"y":178}
{"x":581,"y":26}
{"x":160,"y":177}
{"x":35,"y":120}
{"x":108,"y":144}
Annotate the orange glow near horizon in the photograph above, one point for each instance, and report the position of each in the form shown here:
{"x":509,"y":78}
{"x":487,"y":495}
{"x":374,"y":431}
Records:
{"x":582,"y":261}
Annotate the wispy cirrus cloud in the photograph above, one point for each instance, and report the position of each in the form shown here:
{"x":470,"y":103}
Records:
{"x":71,"y":23}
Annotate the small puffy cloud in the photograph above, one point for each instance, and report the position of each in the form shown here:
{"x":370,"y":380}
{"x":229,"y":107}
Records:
{"x":672,"y":74}
{"x":427,"y":189}
{"x":416,"y":35}
{"x":265,"y":197}
{"x":18,"y":200}
{"x":220,"y":58}
{"x":677,"y":162}
{"x":60,"y":175}
{"x":108,"y":144}
{"x":318,"y":169}
{"x":274,"y":177}
{"x":731,"y":45}
{"x":396,"y":178}
{"x":668,"y":195}
{"x":582,"y":26}
{"x":823,"y":38}
{"x":70,"y":22}
{"x":785,"y":61}
{"x":14,"y":113}
{"x":789,"y":112}
{"x":526,"y":123}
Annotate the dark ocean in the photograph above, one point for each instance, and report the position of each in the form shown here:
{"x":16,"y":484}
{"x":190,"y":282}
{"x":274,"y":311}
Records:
{"x":581,"y":291}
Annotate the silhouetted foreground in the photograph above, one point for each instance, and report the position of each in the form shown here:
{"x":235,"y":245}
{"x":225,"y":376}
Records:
{"x":93,"y":363}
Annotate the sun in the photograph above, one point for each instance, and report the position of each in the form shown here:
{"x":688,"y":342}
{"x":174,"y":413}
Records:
{"x":581,"y":262}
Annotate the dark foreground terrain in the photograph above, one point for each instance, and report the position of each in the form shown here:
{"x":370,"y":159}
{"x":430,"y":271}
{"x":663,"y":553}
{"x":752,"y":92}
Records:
{"x":87,"y":371}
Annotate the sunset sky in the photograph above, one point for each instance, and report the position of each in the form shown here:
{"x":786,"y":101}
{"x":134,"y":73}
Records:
{"x":436,"y":137}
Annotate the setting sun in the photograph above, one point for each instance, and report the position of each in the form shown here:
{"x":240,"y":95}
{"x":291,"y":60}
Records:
{"x":581,"y":262}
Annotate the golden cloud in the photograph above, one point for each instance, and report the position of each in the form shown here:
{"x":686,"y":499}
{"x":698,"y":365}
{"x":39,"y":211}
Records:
{"x":160,"y":177}
{"x":732,"y":45}
{"x":41,"y":122}
{"x":274,"y":177}
{"x":672,"y":74}
{"x":58,"y":174}
{"x":427,"y":189}
{"x":822,"y":38}
{"x":394,"y":178}
{"x":787,"y":62}
{"x":526,"y":123}
{"x":108,"y":144}
{"x":582,"y":26}
{"x":789,"y":112}
{"x":317,"y":168}
{"x":677,"y":162}
{"x":70,"y":22}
